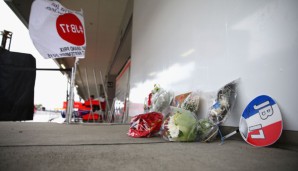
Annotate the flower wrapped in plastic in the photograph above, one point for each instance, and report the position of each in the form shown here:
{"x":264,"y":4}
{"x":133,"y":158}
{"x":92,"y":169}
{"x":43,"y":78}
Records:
{"x":179,"y":125}
{"x":207,"y":131}
{"x":160,"y":99}
{"x":225,"y":99}
{"x":192,"y":102}
{"x":179,"y":99}
{"x":145,"y":125}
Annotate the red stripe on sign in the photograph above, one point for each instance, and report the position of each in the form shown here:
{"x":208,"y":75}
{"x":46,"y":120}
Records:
{"x":266,"y":135}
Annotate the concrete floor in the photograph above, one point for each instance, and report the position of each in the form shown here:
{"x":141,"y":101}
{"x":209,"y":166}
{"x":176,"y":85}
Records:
{"x":53,"y":146}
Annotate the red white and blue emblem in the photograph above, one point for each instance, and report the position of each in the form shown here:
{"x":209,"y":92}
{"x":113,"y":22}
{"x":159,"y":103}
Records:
{"x":261,"y":122}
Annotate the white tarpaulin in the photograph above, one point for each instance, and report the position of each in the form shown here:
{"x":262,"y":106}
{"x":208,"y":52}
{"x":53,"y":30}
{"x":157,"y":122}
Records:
{"x":56,"y":31}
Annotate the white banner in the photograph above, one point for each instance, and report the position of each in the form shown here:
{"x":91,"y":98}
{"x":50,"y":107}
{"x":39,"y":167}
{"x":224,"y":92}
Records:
{"x":56,"y":31}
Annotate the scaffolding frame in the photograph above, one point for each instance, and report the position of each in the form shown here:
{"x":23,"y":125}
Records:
{"x":5,"y":36}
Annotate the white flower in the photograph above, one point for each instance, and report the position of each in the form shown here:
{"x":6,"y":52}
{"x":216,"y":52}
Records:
{"x":207,"y":124}
{"x":173,"y":128}
{"x":224,"y":102}
{"x":215,"y":112}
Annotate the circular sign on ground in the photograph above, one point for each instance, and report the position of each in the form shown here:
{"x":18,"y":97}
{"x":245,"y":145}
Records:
{"x":261,"y":122}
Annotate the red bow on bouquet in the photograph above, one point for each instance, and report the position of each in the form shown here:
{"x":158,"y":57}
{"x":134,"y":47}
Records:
{"x":145,"y":125}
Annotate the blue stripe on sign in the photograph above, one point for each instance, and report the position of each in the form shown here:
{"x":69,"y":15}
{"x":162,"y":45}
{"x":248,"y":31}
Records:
{"x":260,"y":101}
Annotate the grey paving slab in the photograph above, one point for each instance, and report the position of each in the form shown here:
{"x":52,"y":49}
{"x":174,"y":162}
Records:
{"x":40,"y":146}
{"x":29,"y":133}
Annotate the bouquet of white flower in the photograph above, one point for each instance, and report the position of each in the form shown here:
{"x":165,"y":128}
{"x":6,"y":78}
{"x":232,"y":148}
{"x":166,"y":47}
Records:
{"x":179,"y":125}
{"x":161,"y":99}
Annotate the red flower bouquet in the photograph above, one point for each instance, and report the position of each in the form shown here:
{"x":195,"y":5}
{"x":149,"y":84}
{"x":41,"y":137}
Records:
{"x":145,"y":125}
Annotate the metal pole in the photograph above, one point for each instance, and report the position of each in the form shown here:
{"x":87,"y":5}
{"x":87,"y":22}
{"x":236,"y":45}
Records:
{"x":71,"y":99}
{"x":67,"y":96}
{"x":69,"y":102}
{"x":107,"y":112}
{"x":126,"y":100}
{"x":53,"y":69}
{"x":95,"y":83}
{"x":91,"y":111}
{"x":6,"y":35}
{"x":10,"y":41}
{"x":84,"y":86}
{"x":97,"y":92}
{"x":105,"y":92}
{"x":111,"y":113}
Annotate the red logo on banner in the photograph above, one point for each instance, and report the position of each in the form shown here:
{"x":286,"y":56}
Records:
{"x":70,"y":29}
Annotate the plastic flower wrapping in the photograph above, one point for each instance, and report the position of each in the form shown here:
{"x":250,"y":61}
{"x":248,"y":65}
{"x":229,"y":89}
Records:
{"x":207,"y":131}
{"x":181,"y":122}
{"x":225,"y":99}
{"x":145,"y":125}
{"x":179,"y":125}
{"x":160,"y":99}
{"x":179,"y":99}
{"x":192,"y":102}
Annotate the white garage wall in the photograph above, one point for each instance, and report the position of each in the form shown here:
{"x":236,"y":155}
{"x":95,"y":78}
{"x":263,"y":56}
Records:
{"x":200,"y":44}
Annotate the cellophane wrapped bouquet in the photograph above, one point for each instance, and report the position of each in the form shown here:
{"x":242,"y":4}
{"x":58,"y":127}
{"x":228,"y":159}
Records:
{"x":218,"y":112}
{"x":179,"y":125}
{"x":192,"y":102}
{"x":145,"y":125}
{"x":160,"y":99}
{"x":226,"y":96}
{"x":207,"y":131}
